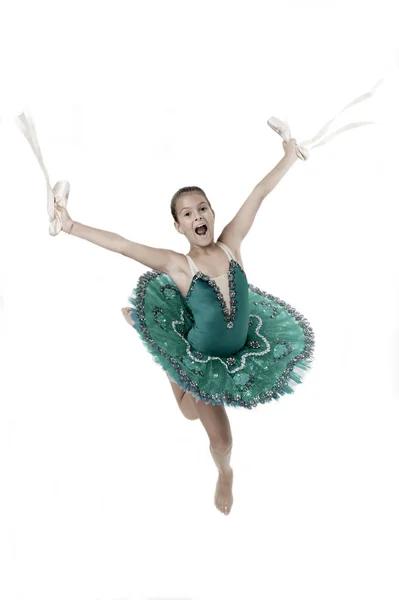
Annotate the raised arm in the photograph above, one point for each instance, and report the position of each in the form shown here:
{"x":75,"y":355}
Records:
{"x":236,"y":230}
{"x":158,"y":259}
{"x":105,"y":239}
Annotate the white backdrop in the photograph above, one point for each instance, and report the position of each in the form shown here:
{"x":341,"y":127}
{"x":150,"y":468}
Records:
{"x":107,"y":491}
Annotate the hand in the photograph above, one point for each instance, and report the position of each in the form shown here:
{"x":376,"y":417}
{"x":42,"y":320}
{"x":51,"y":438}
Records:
{"x":66,"y":221}
{"x":290,"y":149}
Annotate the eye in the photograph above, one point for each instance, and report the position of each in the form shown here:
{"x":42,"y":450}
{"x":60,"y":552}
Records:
{"x":205,"y":207}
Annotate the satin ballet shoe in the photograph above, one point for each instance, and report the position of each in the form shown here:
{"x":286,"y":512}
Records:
{"x":283,"y":130}
{"x":280,"y":127}
{"x":60,"y":199}
{"x":56,"y":196}
{"x":302,"y":148}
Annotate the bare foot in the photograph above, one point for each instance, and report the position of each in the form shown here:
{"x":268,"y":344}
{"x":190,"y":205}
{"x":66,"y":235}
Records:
{"x":223,"y":493}
{"x":126,"y":311}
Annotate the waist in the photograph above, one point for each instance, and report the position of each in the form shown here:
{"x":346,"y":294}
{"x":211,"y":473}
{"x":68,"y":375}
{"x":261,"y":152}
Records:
{"x":219,"y":341}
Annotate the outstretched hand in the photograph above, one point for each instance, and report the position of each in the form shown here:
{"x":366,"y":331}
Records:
{"x":290,"y":148}
{"x":66,"y":221}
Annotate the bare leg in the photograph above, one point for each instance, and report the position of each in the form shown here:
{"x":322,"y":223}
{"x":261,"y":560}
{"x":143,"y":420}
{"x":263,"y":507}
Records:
{"x":126,"y":313}
{"x":217,"y":426}
{"x":185,"y":401}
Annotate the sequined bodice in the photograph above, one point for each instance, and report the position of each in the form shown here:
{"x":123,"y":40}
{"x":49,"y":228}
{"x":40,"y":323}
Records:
{"x":220,"y":308}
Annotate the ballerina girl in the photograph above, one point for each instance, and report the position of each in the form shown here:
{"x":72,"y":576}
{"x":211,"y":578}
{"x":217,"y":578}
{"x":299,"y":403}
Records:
{"x":221,"y":341}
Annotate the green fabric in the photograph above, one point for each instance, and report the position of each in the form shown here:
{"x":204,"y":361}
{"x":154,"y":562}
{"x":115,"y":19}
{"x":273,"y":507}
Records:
{"x":261,"y":357}
{"x":210,"y":333}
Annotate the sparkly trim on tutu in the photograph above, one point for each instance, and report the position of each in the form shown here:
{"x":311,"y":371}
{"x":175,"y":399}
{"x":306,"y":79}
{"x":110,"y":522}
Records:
{"x":212,"y":379}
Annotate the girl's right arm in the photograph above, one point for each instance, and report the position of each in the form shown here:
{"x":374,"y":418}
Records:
{"x":158,"y":259}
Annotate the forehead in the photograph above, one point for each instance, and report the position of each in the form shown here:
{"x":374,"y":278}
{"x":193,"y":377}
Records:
{"x":189,"y":201}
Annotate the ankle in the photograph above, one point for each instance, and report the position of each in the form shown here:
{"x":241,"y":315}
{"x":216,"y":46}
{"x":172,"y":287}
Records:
{"x":226,"y":474}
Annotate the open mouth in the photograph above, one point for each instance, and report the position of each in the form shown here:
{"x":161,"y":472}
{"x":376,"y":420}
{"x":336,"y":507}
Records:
{"x":201,"y":231}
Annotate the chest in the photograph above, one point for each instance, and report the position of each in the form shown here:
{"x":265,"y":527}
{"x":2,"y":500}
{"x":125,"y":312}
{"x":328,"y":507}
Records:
{"x":182,"y":276}
{"x":212,"y":299}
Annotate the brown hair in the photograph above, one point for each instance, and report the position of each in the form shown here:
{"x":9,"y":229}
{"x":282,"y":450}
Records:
{"x":180,"y":192}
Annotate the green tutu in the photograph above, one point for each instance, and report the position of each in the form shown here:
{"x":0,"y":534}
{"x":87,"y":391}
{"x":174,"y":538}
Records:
{"x":253,"y":353}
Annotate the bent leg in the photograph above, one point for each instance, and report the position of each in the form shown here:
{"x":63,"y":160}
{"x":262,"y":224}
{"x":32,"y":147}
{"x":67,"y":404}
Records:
{"x":126,"y":311}
{"x":184,"y":400}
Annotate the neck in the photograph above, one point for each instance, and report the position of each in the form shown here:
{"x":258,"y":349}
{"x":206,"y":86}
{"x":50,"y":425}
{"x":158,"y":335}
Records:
{"x":203,"y":250}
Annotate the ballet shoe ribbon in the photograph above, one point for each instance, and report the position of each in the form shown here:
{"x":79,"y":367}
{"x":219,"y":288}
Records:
{"x":56,"y":196}
{"x":302,"y":148}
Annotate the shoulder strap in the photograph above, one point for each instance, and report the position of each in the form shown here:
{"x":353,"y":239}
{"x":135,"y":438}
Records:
{"x":192,"y":265}
{"x":229,"y":253}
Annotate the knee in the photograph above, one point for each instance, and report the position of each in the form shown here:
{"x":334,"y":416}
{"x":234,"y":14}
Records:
{"x":222,"y":443}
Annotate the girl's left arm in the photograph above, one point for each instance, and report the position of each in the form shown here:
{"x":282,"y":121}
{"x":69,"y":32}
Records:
{"x":236,"y":230}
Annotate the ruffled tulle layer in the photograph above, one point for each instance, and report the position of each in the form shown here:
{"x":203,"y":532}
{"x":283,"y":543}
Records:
{"x":277,"y":353}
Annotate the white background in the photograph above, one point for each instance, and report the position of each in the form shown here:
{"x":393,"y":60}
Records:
{"x":106,"y":490}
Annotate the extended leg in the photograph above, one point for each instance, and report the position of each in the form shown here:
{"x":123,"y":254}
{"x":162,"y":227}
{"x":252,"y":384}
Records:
{"x":217,"y":426}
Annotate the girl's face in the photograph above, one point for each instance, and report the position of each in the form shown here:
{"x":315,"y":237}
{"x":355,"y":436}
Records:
{"x":192,"y":211}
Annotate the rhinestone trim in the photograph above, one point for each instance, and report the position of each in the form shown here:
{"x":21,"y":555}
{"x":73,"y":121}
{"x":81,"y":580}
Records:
{"x":228,"y":315}
{"x":288,"y":376}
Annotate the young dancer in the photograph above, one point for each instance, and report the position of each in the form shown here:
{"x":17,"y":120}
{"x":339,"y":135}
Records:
{"x":221,"y":341}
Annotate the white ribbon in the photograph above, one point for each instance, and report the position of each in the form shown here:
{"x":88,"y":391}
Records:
{"x":302,"y":148}
{"x":56,"y":196}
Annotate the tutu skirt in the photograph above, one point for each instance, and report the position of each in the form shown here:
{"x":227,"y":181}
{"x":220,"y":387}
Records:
{"x":276,"y":354}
